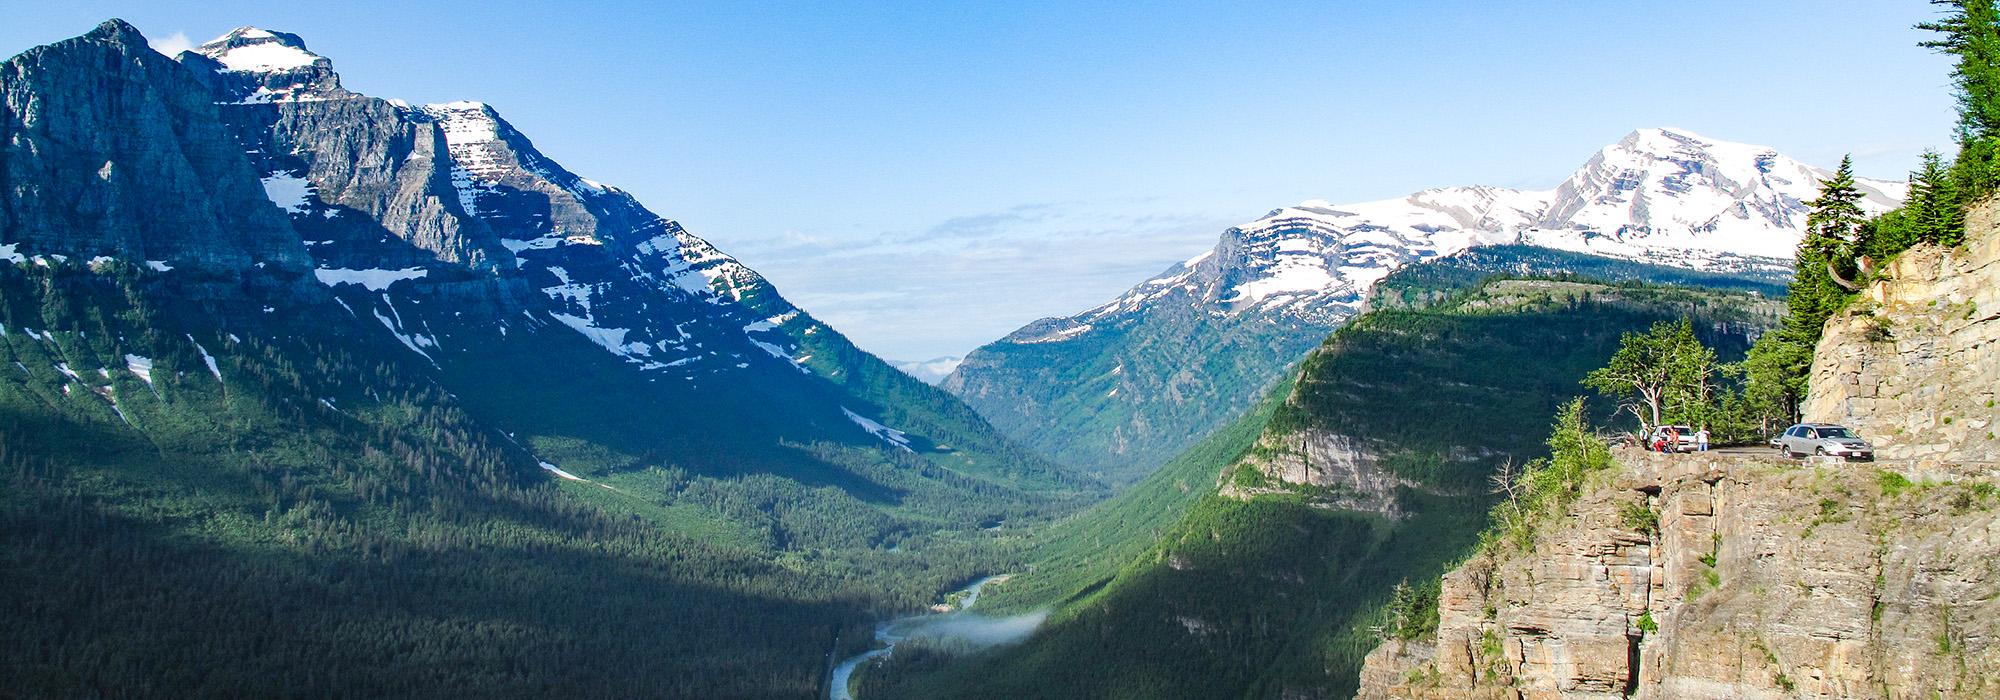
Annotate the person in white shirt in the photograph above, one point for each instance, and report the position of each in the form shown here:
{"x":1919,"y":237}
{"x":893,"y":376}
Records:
{"x":1701,"y":439}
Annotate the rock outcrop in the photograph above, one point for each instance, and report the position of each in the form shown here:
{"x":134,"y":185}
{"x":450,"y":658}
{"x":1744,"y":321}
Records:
{"x":1915,"y":364}
{"x":1727,"y":577}
{"x":1345,"y":472}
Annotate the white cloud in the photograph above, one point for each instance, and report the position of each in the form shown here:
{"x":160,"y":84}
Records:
{"x":173,"y":44}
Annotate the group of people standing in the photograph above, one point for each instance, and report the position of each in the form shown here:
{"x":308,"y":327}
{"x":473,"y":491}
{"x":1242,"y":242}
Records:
{"x":1668,"y":439}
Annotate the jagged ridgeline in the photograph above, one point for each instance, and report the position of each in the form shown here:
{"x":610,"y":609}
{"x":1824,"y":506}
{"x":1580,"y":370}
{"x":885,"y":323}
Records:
{"x":1305,"y":516}
{"x":307,"y":392}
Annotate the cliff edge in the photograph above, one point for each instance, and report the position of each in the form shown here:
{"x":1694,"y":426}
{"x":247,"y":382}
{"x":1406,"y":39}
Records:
{"x":1728,"y":576}
{"x":1747,"y":576}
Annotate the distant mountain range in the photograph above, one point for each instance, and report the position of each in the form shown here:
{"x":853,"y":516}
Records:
{"x":1120,"y":388}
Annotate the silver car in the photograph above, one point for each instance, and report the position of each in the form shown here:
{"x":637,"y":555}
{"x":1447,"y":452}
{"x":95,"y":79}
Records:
{"x":1823,"y":439}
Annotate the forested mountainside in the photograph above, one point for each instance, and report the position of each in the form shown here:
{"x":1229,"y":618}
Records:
{"x":1301,"y":519}
{"x":1120,"y":389}
{"x":311,"y":393}
{"x":1751,"y":576}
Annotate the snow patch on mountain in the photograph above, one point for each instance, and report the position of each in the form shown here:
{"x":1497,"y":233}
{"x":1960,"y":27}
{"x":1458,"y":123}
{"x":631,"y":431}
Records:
{"x":209,"y":360}
{"x":373,"y":280}
{"x":612,"y":339}
{"x":886,"y":433}
{"x":140,"y":366}
{"x":263,"y":56}
{"x":566,"y":476}
{"x":414,"y":341}
{"x":289,"y":192}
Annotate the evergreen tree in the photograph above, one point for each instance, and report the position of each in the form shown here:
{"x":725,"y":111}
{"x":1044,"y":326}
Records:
{"x":1691,"y":395}
{"x":1825,"y":262}
{"x":1970,"y":31}
{"x":1775,"y":379}
{"x":1836,"y":215}
{"x":1937,"y":215}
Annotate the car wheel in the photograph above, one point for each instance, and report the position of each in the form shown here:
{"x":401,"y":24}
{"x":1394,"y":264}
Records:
{"x":1819,"y":451}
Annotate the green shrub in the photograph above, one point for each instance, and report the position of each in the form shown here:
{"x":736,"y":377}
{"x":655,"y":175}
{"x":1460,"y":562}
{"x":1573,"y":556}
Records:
{"x":1638,"y":517}
{"x":1893,"y":484}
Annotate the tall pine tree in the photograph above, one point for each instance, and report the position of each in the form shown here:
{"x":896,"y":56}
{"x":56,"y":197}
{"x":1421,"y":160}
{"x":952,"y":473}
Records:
{"x":1938,"y":215}
{"x":1833,"y":231}
{"x":1836,"y":232}
{"x":1970,"y":31}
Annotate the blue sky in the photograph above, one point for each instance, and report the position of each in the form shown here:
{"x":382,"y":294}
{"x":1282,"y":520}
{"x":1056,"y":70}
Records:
{"x":928,"y":176}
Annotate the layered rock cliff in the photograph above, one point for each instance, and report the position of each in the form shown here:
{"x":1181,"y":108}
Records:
{"x":1728,"y":577}
{"x":1747,"y":576}
{"x":1915,"y":364}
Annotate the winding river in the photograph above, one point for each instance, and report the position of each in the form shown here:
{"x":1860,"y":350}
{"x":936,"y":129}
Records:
{"x":887,"y":634}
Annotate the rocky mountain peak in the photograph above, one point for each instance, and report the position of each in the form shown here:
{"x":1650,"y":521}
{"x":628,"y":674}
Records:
{"x":113,"y":150}
{"x":1662,"y":195}
{"x":1675,"y":196}
{"x":259,"y":50}
{"x":253,"y":65}
{"x":117,"y":31}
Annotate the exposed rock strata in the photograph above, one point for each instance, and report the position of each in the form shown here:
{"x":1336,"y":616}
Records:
{"x":1350,"y":473}
{"x":1766,"y":579}
{"x":1915,"y":364}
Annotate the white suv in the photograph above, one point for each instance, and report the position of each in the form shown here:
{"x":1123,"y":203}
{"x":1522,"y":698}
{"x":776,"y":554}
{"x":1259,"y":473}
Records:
{"x":1823,"y":439}
{"x":1672,"y":438}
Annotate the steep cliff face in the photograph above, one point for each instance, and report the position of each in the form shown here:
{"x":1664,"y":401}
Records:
{"x":1753,"y":577}
{"x":1728,"y":576}
{"x":110,"y":149}
{"x":1915,"y":364}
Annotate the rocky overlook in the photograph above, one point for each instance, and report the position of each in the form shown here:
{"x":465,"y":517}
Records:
{"x":1747,"y":576}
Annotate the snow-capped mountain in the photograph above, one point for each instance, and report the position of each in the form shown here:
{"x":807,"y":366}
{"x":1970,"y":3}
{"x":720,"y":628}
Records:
{"x":1668,"y":195}
{"x":1658,"y":196}
{"x":1661,"y":196}
{"x":634,"y":283}
{"x":443,"y":225}
{"x":239,"y":304}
